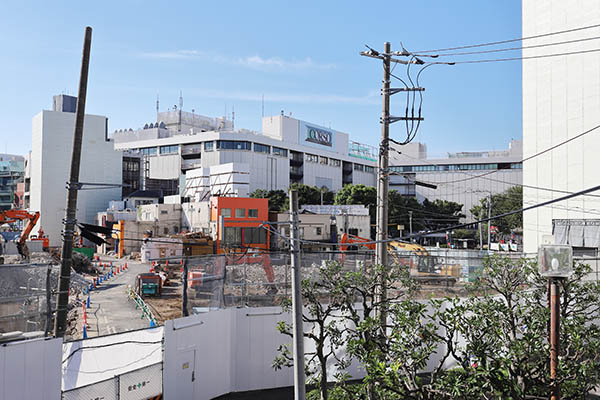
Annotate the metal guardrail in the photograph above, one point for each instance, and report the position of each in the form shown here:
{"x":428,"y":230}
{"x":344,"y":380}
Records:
{"x":141,"y":304}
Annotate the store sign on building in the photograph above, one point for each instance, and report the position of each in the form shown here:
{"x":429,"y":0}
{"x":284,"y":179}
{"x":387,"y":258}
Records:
{"x":318,"y":136}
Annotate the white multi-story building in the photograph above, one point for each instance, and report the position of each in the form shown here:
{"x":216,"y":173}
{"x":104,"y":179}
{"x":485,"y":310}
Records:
{"x":286,"y":151}
{"x":49,"y":165}
{"x":464,"y":177}
{"x":561,"y":99}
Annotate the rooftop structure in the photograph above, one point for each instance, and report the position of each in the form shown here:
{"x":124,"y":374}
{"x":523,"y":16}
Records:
{"x":287,"y":150}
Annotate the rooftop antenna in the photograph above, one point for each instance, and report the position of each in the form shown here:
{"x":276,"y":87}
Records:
{"x":180,"y":108}
{"x":157,"y":105}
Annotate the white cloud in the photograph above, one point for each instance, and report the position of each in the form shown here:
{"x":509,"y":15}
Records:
{"x":256,"y":61}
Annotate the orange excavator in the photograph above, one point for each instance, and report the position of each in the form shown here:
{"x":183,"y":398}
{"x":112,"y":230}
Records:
{"x":11,"y":216}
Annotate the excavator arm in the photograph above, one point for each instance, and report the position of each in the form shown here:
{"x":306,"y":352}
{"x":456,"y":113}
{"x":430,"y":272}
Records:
{"x":10,"y":216}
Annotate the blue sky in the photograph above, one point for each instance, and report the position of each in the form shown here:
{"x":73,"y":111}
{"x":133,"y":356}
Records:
{"x":302,"y":55}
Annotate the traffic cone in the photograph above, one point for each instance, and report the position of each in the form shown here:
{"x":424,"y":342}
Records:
{"x":125,"y":265}
{"x":84,"y":332}
{"x":152,"y":324}
{"x":87,"y":304}
{"x":167,"y":263}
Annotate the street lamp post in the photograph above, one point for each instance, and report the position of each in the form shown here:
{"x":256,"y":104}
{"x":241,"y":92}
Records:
{"x":555,"y":262}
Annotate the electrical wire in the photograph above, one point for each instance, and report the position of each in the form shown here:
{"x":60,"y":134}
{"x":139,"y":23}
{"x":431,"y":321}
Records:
{"x":511,"y":48}
{"x":108,"y":345}
{"x":463,"y":225}
{"x":510,"y":40}
{"x":568,"y":53}
{"x":522,"y":161}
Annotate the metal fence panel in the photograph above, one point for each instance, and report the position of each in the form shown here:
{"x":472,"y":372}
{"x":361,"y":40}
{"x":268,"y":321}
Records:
{"x":105,"y":390}
{"x":142,"y":383}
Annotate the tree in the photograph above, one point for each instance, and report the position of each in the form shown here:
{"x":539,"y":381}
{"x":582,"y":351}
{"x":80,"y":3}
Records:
{"x":504,"y":329}
{"x":497,"y":336}
{"x":358,"y":194}
{"x":324,"y":329}
{"x":509,"y":200}
{"x":307,"y":194}
{"x":278,"y":199}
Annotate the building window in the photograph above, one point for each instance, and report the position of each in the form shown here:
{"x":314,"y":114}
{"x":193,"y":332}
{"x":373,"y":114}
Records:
{"x":261,"y":148}
{"x":148,"y":151}
{"x":255,"y":236}
{"x":232,"y":235}
{"x":164,"y":211}
{"x":209,"y":146}
{"x":240,"y":213}
{"x":226,"y":212}
{"x":233,"y":145}
{"x":359,"y":167}
{"x":369,"y":169}
{"x":252,"y":213}
{"x":312,"y":158}
{"x":174,"y":149}
{"x":318,"y":231}
{"x":335,"y":163}
{"x":278,"y":151}
{"x":166,"y":231}
{"x":323,"y":160}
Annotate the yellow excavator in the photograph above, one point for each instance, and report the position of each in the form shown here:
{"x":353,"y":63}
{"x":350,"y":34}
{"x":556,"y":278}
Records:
{"x":423,"y":266}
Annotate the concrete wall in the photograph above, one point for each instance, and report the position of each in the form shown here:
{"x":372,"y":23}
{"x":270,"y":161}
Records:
{"x":52,"y":138}
{"x":561,"y":98}
{"x":195,"y":217}
{"x":31,"y":370}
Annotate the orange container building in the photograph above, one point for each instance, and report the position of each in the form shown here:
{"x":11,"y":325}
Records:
{"x":241,"y":226}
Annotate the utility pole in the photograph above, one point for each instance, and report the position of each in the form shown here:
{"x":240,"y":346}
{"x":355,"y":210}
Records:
{"x":489,"y":221}
{"x":480,"y":237}
{"x":554,"y":336}
{"x":383,"y":178}
{"x":64,"y":279}
{"x":410,"y":224}
{"x":298,"y":352}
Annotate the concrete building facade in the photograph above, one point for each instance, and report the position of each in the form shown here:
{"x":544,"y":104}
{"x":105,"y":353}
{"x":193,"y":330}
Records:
{"x":286,"y":151}
{"x":464,"y":177}
{"x":12,"y":172}
{"x":49,"y":165}
{"x":561,"y":98}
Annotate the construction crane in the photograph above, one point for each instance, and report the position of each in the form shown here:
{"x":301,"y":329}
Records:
{"x":12,"y":216}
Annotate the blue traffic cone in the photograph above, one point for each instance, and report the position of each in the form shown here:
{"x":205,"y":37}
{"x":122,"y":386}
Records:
{"x":87,"y":304}
{"x":152,"y":324}
{"x":84,"y":332}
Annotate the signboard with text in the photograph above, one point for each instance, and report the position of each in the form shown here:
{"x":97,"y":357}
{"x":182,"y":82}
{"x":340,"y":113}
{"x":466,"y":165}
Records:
{"x":316,"y":136}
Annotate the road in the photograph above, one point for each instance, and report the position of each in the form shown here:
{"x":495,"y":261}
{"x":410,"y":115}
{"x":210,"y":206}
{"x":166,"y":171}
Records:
{"x":110,"y":310}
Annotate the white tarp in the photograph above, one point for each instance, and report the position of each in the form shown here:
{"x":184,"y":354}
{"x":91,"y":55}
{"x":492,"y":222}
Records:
{"x":93,"y":360}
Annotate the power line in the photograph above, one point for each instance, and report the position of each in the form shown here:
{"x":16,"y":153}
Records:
{"x":568,"y":53}
{"x":464,"y":225}
{"x":522,"y":161}
{"x":510,"y":40}
{"x":511,"y":48}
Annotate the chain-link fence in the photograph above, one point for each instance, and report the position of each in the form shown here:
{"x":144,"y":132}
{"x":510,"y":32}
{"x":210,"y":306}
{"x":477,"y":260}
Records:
{"x":142,"y":383}
{"x":26,"y":296}
{"x":264,"y":279}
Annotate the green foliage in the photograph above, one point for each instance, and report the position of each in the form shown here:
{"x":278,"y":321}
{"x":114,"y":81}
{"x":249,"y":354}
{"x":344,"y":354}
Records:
{"x":278,"y":199}
{"x":509,"y":200}
{"x":497,"y":337}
